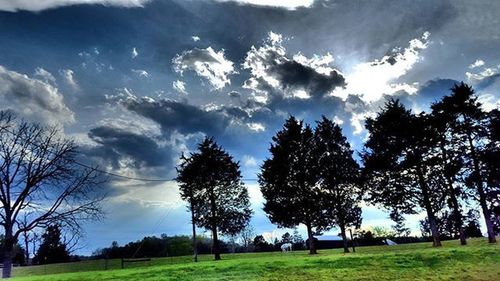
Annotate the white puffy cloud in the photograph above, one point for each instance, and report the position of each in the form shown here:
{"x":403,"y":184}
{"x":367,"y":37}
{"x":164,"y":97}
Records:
{"x":489,"y":101}
{"x":39,"y":5}
{"x":179,"y":86}
{"x":372,"y":80}
{"x":249,"y":161}
{"x":195,"y":38}
{"x":477,"y":63}
{"x":273,"y":72}
{"x":287,"y":4}
{"x":256,"y":127}
{"x":44,"y":75}
{"x":207,"y":63}
{"x":33,"y":98}
{"x":337,"y":120}
{"x":68,"y":76}
{"x":486,"y":72}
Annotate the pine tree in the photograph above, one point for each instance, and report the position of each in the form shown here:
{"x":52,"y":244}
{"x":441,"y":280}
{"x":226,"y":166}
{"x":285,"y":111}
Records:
{"x":396,"y":170}
{"x":52,"y":250}
{"x":210,"y":180}
{"x":288,"y":181}
{"x":468,"y":125}
{"x":339,"y":177}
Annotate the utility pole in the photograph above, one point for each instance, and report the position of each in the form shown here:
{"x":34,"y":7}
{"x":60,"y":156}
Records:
{"x":352,"y":241}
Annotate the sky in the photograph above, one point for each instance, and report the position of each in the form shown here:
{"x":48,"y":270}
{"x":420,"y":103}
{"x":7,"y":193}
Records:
{"x":138,"y":82}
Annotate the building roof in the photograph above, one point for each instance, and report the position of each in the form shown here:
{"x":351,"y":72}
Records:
{"x":328,"y":238}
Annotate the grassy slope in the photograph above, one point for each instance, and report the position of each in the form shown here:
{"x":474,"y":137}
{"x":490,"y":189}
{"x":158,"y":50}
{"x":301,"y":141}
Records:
{"x":477,"y":261}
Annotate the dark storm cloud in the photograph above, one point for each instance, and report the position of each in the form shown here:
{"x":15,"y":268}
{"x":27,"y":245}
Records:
{"x":279,"y":76}
{"x":178,"y":116}
{"x":115,"y":144}
{"x":295,"y":75}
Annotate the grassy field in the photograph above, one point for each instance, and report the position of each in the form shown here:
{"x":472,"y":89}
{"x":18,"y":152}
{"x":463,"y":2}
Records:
{"x":476,"y":261}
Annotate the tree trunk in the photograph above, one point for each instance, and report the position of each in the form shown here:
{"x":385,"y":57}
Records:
{"x":457,"y":215}
{"x":215,"y":240}
{"x":215,"y":244}
{"x":195,"y":248}
{"x":8,"y":248}
{"x":344,"y":238}
{"x":482,"y":193}
{"x":26,"y":248}
{"x":436,"y":241}
{"x":312,"y":248}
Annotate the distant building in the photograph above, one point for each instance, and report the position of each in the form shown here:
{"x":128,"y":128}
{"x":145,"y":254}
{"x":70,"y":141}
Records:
{"x":327,"y":242}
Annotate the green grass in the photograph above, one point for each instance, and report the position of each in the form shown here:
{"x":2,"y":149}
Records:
{"x":476,"y":261}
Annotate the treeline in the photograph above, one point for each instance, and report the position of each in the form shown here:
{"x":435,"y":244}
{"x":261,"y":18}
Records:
{"x":438,"y":162}
{"x":181,"y":245}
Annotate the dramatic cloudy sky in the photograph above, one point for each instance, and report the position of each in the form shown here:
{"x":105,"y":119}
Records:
{"x":138,"y":82}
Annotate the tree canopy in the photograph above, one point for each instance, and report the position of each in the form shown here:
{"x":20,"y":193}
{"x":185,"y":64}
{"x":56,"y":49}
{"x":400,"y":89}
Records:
{"x":210,"y":180}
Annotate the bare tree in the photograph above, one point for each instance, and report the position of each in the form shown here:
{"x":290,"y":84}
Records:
{"x":72,"y":238}
{"x":40,"y":182}
{"x":247,"y":235}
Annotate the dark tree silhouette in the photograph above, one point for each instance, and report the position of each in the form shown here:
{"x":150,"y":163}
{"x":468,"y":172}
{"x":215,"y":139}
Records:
{"x":52,"y":249}
{"x":399,"y":227}
{"x":286,"y":238}
{"x":210,"y":180}
{"x":396,"y":171}
{"x":261,"y":245}
{"x":17,"y":252}
{"x":191,"y":187}
{"x":246,"y":236}
{"x":288,"y":181}
{"x":471,"y":224}
{"x":40,"y":182}
{"x":449,"y":162}
{"x":468,"y":124}
{"x":490,"y":158}
{"x":339,"y":177}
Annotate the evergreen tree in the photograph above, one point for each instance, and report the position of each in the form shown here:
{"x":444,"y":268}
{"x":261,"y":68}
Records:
{"x":286,"y":238}
{"x":490,"y":158}
{"x":288,"y":181}
{"x":468,"y":124}
{"x":297,"y":240}
{"x":52,"y":249}
{"x":449,"y":163}
{"x":399,"y":227}
{"x":210,"y":180}
{"x":339,"y":177}
{"x":471,"y":226}
{"x":396,"y":170}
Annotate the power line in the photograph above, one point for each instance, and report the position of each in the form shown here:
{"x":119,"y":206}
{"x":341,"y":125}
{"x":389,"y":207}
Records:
{"x":111,"y":173}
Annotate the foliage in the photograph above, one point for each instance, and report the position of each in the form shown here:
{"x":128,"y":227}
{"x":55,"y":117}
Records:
{"x":288,"y":181}
{"x":339,"y":177}
{"x":397,"y":171}
{"x":448,"y":229}
{"x":164,"y":246}
{"x":17,"y":254}
{"x":52,"y":249}
{"x":210,"y":180}
{"x":468,"y":125}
